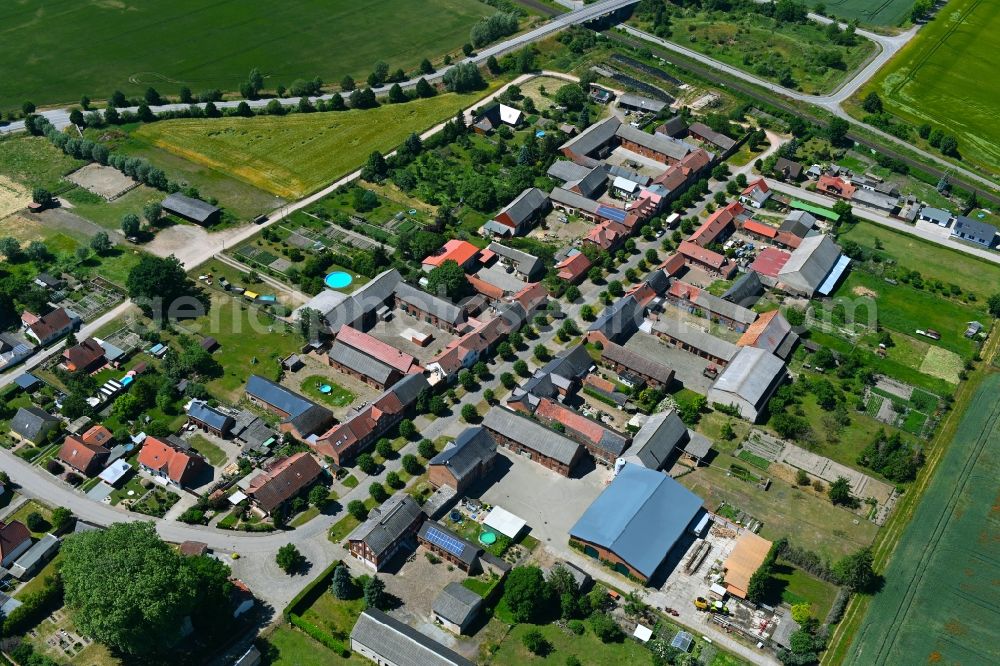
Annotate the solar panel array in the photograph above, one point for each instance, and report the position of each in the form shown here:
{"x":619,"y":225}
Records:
{"x":446,"y":541}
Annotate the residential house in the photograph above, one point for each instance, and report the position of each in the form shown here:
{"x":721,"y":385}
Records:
{"x":386,"y":641}
{"x":573,"y":269}
{"x":636,"y":368}
{"x":974,"y":231}
{"x":748,"y":382}
{"x":527,"y":267}
{"x":637,"y":520}
{"x":167,"y":462}
{"x":469,"y":459}
{"x":456,"y":607}
{"x":465,"y":351}
{"x":632,"y":102}
{"x":617,"y":322}
{"x":835,"y":186}
{"x":467,"y":556}
{"x":787,"y":169}
{"x":84,"y":454}
{"x":84,"y":357}
{"x":375,"y":541}
{"x":282,"y":479}
{"x":15,"y":540}
{"x":47,"y":281}
{"x":191,"y":209}
{"x":607,"y":236}
{"x":714,"y":263}
{"x":719,"y":225}
{"x":559,"y":378}
{"x":756,"y":193}
{"x":495,"y":116}
{"x":346,"y":440}
{"x":208,"y":418}
{"x":50,"y":327}
{"x":370,"y":360}
{"x":532,"y":440}
{"x":13,"y":349}
{"x":31,"y":424}
{"x":300,"y":416}
{"x":796,"y":226}
{"x":937,"y":216}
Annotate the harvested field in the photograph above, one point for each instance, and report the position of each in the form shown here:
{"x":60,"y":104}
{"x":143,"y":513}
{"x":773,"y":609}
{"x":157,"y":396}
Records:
{"x":940,"y":602}
{"x":13,"y":197}
{"x":942,"y":364}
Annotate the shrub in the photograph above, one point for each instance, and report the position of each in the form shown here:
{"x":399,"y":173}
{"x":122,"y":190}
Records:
{"x":606,"y":628}
{"x":536,"y":643}
{"x":34,"y":607}
{"x":35,"y":522}
{"x":577,"y":627}
{"x":55,"y":467}
{"x":320,"y":635}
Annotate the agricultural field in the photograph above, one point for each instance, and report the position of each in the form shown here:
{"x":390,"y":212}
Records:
{"x":54,"y":53}
{"x":32,"y":161}
{"x":883,"y":13}
{"x":291,"y":156}
{"x":785,"y":53}
{"x":943,"y":69}
{"x":934,"y":262}
{"x":938,"y":604}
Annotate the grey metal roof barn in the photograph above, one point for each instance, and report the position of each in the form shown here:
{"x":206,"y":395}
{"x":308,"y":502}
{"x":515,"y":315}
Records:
{"x":748,"y":381}
{"x":639,"y":517}
{"x":640,"y":103}
{"x":304,"y":414}
{"x":696,"y":337}
{"x":421,"y":300}
{"x":531,"y":434}
{"x":566,"y":171}
{"x":360,"y":362}
{"x":809,"y":265}
{"x":656,"y":440}
{"x":396,"y":643}
{"x":191,"y":209}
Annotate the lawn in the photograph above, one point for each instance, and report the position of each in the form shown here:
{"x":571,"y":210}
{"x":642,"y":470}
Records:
{"x":905,"y":310}
{"x":808,"y":521}
{"x":333,"y":615}
{"x":939,"y":603}
{"x":972,"y":275}
{"x":587,"y":648}
{"x":290,"y":156}
{"x":109,"y":214}
{"x":943,"y":69}
{"x":34,"y":162}
{"x":765,"y":47}
{"x":338,"y":396}
{"x":215,"y":456}
{"x":292,"y":647}
{"x":94,"y":48}
{"x":886,"y":13}
{"x":29,"y":507}
{"x":797,"y":586}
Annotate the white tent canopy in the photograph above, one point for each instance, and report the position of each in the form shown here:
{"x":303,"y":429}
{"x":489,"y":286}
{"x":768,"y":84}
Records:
{"x":504,"y":522}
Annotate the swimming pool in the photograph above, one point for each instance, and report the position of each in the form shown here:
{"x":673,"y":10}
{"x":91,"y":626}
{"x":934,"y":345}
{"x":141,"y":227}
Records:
{"x":338,"y":280}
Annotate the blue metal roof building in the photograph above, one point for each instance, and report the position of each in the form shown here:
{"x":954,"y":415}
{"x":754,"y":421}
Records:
{"x":638,"y":519}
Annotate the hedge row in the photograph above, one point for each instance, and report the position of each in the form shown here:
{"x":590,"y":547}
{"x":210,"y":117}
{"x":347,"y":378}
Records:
{"x":309,"y":594}
{"x":320,"y":635}
{"x":34,"y":608}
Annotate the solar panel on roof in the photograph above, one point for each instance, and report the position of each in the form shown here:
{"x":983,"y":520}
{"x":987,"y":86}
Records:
{"x":446,"y":541}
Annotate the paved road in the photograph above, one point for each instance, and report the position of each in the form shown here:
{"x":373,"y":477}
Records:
{"x":581,"y":14}
{"x":932,"y":235}
{"x":890,"y":45}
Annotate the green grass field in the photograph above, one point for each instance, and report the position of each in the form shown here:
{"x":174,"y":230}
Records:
{"x":33,"y":161}
{"x":288,"y":646}
{"x":290,"y":156}
{"x":797,"y":586}
{"x":745,"y":41}
{"x":939,"y":604}
{"x":934,"y":262}
{"x":54,"y":53}
{"x":885,"y":12}
{"x":946,"y":69}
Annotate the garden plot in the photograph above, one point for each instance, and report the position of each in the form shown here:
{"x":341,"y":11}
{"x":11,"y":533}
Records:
{"x":862,"y":485}
{"x":92,"y":299}
{"x":104,"y":181}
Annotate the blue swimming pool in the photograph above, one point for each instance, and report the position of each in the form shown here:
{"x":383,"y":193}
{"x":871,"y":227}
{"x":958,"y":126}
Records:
{"x":338,"y":280}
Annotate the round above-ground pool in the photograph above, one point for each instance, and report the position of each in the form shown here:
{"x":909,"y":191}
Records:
{"x":488,"y":538}
{"x":325,"y":388}
{"x":338,"y":280}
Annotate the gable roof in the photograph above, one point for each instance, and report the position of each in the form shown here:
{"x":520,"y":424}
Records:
{"x":465,"y":551}
{"x":573,"y":266}
{"x":385,"y":524}
{"x":212,"y":417}
{"x":589,"y":184}
{"x":566,"y":170}
{"x":32,"y":422}
{"x":459,"y":251}
{"x":526,"y":205}
{"x":376,"y":349}
{"x":573,"y":200}
{"x":179,"y":466}
{"x":586,"y":429}
{"x":472,"y":447}
{"x":621,"y":319}
{"x":196,"y":209}
{"x":793,"y":169}
{"x":702,"y":255}
{"x":750,"y":375}
{"x":528,"y":264}
{"x":49,"y":324}
{"x":84,"y":354}
{"x":975,"y":229}
{"x":592,"y":138}
{"x":696,"y":337}
{"x":401,"y":644}
{"x":657,"y":438}
{"x":457,"y":603}
{"x":748,"y":287}
{"x":81,"y":455}
{"x":305,"y":415}
{"x":283,"y":479}
{"x":531,"y":434}
{"x":768,"y":332}
{"x":637,"y":362}
{"x":659,"y":143}
{"x":433,"y":305}
{"x":810,"y":263}
{"x":759,"y":228}
{"x":717,"y":222}
{"x":710,"y":135}
{"x":639,"y":516}
{"x":12,"y":535}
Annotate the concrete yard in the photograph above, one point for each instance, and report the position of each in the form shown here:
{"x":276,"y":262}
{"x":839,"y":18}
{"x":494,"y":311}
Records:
{"x":687,"y":367}
{"x":392,"y":333}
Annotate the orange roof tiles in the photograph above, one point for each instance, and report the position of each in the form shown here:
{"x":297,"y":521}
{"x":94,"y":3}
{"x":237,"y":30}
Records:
{"x":759,"y":228}
{"x":459,"y":251}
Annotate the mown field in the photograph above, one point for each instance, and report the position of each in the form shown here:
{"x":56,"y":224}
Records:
{"x":940,"y":602}
{"x":944,"y":75}
{"x":56,"y":52}
{"x":882,"y":12}
{"x":290,"y":156}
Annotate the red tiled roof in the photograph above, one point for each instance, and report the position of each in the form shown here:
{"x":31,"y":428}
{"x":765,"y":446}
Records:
{"x":377,"y":349}
{"x":550,"y":410}
{"x":571,"y":268}
{"x":759,"y":228}
{"x":80,"y":455}
{"x":179,"y":466}
{"x":717,"y":222}
{"x":284,"y":479}
{"x":45,"y":326}
{"x":459,"y":251}
{"x":12,"y":535}
{"x":770,"y":261}
{"x":485,"y":288}
{"x":835,"y":185}
{"x":643,"y":293}
{"x":701,"y":255}
{"x":673,"y":264}
{"x":96,"y":436}
{"x":83,"y":355}
{"x":760,"y":184}
{"x":757,"y":329}
{"x":606,"y":234}
{"x":532,"y":296}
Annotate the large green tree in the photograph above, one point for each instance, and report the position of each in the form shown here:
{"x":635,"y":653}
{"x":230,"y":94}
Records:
{"x":526,"y":593}
{"x":448,"y":279}
{"x":157,"y":283}
{"x":128,"y":589}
